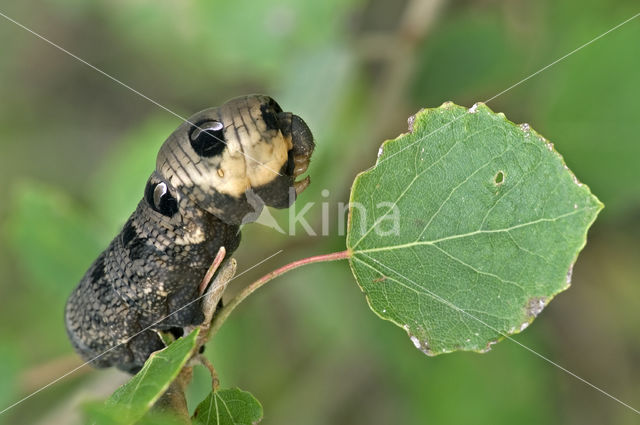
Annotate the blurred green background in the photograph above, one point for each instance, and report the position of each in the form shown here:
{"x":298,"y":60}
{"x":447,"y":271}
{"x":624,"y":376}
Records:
{"x":76,"y":149}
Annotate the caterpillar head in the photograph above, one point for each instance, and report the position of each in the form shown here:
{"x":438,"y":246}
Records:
{"x":234,"y":159}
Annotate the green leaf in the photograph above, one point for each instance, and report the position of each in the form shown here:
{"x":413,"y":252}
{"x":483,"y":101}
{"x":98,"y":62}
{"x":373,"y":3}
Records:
{"x":144,"y":389}
{"x":100,"y":414}
{"x":466,"y":228}
{"x":228,"y":407}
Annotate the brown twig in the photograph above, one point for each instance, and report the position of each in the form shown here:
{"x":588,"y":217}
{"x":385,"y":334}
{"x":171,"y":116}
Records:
{"x":223,"y":314}
{"x":215,"y":382}
{"x":174,"y":398}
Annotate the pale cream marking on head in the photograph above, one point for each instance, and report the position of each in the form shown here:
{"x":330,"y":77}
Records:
{"x":248,"y":160}
{"x":269,"y":155}
{"x":225,"y":173}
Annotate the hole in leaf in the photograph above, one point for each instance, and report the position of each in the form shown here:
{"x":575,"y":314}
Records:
{"x":499,"y":178}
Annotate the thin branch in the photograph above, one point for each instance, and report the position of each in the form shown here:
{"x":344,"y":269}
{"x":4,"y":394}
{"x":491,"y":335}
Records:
{"x":215,"y":381}
{"x":174,"y":399}
{"x":224,"y":313}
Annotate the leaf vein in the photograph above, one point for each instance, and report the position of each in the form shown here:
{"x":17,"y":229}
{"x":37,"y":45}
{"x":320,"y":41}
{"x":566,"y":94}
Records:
{"x":470,"y":234}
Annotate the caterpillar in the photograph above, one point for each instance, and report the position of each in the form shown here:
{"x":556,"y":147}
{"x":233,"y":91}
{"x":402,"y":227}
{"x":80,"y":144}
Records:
{"x":214,"y":173}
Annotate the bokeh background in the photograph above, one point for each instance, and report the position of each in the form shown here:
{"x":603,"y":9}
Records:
{"x":76,"y":149}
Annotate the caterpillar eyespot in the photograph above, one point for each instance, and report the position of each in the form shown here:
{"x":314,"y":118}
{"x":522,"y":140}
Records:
{"x":213,"y":173}
{"x":160,"y":199}
{"x":207,"y":138}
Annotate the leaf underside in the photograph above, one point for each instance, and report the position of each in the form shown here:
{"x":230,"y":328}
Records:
{"x":489,"y":224}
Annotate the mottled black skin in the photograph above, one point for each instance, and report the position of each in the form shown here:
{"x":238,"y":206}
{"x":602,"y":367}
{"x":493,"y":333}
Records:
{"x":148,"y":277}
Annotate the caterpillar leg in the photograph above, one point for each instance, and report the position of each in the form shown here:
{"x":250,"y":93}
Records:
{"x":217,"y":287}
{"x":212,"y":270}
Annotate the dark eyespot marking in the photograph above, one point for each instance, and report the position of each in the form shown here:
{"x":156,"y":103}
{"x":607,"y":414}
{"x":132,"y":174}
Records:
{"x":148,"y":193}
{"x":138,"y":248}
{"x":274,"y":105}
{"x":128,"y":233}
{"x":269,"y":115}
{"x":168,"y":205}
{"x":159,"y":199}
{"x":98,"y":270}
{"x":207,"y":138}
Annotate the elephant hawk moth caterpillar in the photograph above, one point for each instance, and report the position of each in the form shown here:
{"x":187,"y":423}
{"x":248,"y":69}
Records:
{"x":215,"y":172}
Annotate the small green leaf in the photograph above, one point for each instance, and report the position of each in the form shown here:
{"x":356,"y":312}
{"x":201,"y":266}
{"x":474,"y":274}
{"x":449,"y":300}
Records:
{"x":228,"y":407}
{"x":466,"y":228}
{"x":144,"y":389}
